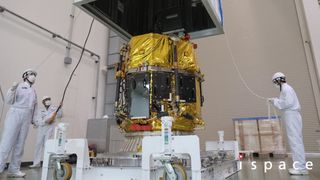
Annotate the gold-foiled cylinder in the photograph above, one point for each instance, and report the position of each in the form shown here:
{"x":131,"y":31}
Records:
{"x":150,"y":50}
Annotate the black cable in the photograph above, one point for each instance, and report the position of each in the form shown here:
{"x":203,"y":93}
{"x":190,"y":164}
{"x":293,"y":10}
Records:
{"x":75,"y":68}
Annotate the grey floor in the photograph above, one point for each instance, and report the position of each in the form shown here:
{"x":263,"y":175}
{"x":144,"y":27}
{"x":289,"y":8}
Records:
{"x":245,"y":174}
{"x":32,"y":174}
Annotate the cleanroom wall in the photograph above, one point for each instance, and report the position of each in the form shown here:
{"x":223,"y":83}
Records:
{"x":25,"y":46}
{"x":264,"y":37}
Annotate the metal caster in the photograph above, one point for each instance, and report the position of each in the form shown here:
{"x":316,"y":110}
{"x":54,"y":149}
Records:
{"x":62,"y":171}
{"x":178,"y":170}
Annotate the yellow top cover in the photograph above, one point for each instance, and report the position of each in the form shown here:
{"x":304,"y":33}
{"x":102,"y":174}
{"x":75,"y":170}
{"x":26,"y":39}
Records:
{"x":150,"y":50}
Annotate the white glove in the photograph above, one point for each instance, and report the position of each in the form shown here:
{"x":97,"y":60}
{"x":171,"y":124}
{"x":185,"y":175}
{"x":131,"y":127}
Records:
{"x":14,"y":86}
{"x":271,"y":100}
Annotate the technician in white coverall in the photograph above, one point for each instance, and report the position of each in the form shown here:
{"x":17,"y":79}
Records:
{"x":289,"y":105}
{"x":46,"y":125}
{"x":23,"y":112}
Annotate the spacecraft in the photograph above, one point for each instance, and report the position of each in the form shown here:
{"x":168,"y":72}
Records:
{"x":158,"y":75}
{"x":158,"y":95}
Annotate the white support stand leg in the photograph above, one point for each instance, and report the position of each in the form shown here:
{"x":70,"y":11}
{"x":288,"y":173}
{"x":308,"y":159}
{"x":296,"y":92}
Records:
{"x":48,"y":148}
{"x":153,"y":145}
{"x":227,"y":146}
{"x":73,"y":146}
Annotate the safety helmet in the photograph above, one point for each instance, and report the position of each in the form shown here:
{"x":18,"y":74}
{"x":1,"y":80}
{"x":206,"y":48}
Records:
{"x":28,"y":72}
{"x":45,"y":97}
{"x":278,"y":76}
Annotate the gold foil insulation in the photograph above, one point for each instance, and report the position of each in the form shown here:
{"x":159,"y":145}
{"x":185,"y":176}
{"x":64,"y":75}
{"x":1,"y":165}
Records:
{"x":186,"y":56}
{"x":150,"y":50}
{"x":157,"y":50}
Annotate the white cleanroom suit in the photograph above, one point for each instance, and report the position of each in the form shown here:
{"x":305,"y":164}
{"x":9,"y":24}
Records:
{"x":45,"y":131}
{"x":289,"y":105}
{"x":23,"y":111}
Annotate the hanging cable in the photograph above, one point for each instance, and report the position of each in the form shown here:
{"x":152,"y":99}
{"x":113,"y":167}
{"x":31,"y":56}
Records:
{"x":246,"y":85}
{"x":237,"y":68}
{"x":3,"y":103}
{"x":2,"y":95}
{"x":275,"y":112}
{"x":54,"y":51}
{"x":75,"y":68}
{"x":234,"y":61}
{"x":269,"y":104}
{"x":269,"y":113}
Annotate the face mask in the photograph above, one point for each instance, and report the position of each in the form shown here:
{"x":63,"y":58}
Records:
{"x":47,"y":103}
{"x":31,"y":78}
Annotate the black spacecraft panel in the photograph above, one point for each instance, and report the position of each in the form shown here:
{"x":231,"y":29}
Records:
{"x":187,"y":88}
{"x":161,"y":85}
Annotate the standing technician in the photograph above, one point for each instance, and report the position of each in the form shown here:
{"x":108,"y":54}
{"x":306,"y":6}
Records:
{"x":289,"y":105}
{"x":23,"y":111}
{"x":46,"y":127}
